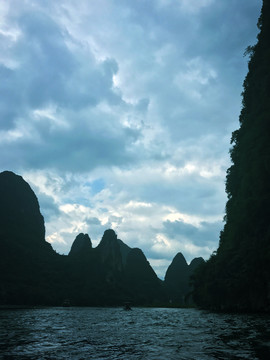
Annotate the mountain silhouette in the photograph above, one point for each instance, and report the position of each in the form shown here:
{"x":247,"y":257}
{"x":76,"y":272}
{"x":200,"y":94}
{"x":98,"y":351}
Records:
{"x":32,"y":273}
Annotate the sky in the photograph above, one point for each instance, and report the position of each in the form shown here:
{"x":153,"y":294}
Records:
{"x":119,"y":114}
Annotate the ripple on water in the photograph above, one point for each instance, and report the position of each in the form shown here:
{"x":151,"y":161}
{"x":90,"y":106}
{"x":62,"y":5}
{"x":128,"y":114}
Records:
{"x":143,"y":333}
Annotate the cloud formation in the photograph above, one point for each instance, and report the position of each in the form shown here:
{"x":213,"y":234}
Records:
{"x":119,"y":114}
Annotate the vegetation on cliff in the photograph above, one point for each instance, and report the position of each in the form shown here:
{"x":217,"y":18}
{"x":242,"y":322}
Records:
{"x":237,"y":276}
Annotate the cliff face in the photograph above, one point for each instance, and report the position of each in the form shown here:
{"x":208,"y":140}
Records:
{"x":81,"y":245}
{"x":177,"y":270}
{"x":141,"y":280}
{"x":178,"y":279}
{"x":195,"y":263}
{"x":125,"y":250}
{"x":109,"y":251}
{"x":20,"y":217}
{"x":24,"y":253}
{"x":237,"y":275}
{"x":138,"y":268}
{"x":114,"y":273}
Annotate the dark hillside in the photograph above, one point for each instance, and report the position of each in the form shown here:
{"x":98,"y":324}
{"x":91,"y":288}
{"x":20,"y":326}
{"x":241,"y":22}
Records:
{"x":32,"y":273}
{"x":237,"y":277}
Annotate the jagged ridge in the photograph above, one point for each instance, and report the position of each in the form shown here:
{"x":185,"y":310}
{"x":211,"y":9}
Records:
{"x":32,"y":273}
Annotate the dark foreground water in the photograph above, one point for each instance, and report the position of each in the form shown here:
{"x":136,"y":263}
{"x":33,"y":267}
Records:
{"x":112,"y":333}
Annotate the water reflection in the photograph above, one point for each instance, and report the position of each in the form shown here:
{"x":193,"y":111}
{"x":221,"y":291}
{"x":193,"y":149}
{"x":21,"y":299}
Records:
{"x":96,"y":333}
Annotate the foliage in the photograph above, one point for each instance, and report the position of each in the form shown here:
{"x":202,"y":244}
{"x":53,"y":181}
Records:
{"x":237,"y":277}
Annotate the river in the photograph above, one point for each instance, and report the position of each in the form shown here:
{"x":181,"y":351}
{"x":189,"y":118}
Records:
{"x":143,"y":333}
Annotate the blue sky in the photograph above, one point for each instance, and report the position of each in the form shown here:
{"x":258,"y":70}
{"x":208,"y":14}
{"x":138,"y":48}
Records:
{"x":119,"y":115}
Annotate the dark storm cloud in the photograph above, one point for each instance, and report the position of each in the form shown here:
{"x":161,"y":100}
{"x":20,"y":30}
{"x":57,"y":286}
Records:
{"x":54,"y":72}
{"x":204,"y":235}
{"x":44,"y":63}
{"x":199,"y":89}
{"x":195,"y":194}
{"x":49,"y":208}
{"x":50,"y":75}
{"x":76,"y":150}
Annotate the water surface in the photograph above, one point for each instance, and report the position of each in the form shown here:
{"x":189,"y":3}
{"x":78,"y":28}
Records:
{"x":143,"y":333}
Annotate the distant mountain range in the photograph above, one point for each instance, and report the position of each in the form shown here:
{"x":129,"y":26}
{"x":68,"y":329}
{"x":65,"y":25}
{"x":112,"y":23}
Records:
{"x":32,"y":273}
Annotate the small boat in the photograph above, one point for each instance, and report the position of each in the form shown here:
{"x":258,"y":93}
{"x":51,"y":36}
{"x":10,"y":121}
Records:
{"x":127,"y":306}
